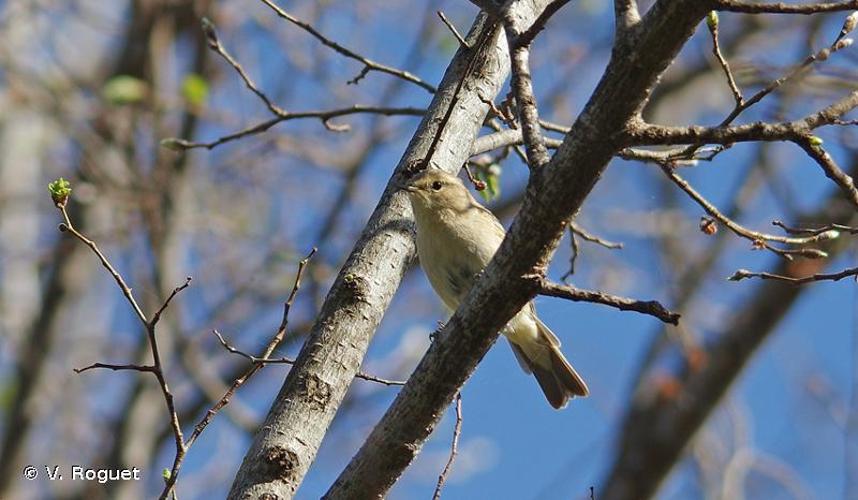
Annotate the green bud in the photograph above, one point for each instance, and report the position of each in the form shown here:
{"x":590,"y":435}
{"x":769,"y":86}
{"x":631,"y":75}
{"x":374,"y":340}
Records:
{"x":165,"y":473}
{"x":712,"y":20}
{"x":815,"y":141}
{"x":174,"y":143}
{"x":60,"y":190}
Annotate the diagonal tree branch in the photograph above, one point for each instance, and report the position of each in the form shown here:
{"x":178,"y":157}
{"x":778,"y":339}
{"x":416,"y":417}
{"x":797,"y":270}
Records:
{"x":287,"y":442}
{"x":554,"y":194}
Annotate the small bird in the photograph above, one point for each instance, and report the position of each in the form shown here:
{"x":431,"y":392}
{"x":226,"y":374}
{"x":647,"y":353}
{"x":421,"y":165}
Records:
{"x":456,"y":239}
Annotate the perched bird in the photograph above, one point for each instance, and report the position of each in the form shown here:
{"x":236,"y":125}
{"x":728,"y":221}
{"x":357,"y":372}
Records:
{"x":456,"y":239}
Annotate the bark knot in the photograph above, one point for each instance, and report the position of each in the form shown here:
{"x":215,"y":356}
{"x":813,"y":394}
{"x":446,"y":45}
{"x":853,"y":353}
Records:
{"x":282,"y":462}
{"x":318,"y":391}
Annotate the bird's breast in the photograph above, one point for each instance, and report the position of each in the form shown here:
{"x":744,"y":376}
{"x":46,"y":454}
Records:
{"x":450,"y":261}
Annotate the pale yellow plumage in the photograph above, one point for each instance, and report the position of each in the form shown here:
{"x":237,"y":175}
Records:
{"x":456,"y":239}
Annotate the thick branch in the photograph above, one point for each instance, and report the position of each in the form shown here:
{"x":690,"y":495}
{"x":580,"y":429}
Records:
{"x":554,"y":194}
{"x":626,"y":16}
{"x":646,"y":134}
{"x":287,"y":442}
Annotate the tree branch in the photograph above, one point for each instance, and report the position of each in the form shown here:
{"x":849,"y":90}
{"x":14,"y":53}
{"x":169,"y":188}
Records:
{"x":640,"y":133}
{"x":626,"y":16}
{"x":287,"y":442}
{"x":649,"y":307}
{"x":369,"y":64}
{"x":758,"y":239}
{"x":554,"y":194}
{"x":744,"y":274}
{"x":454,"y":450}
{"x":784,"y":8}
{"x":656,"y":429}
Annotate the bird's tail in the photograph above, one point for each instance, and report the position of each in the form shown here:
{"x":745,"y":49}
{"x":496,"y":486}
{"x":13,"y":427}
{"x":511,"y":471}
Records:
{"x":542,"y":357}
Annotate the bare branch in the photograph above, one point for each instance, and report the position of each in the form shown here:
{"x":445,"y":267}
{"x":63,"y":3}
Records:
{"x":454,"y":449}
{"x":369,"y":64}
{"x":526,"y":38}
{"x":285,"y":360}
{"x":587,"y":236}
{"x":784,"y":8}
{"x":626,"y":16}
{"x":462,"y":42}
{"x":712,"y":23}
{"x":67,"y":226}
{"x":744,"y":273}
{"x":649,"y":307}
{"x":645,"y":134}
{"x":138,"y":368}
{"x":758,"y":239}
{"x":815,"y":230}
{"x":574,"y":232}
{"x":740,"y":107}
{"x":157,"y":316}
{"x":506,"y":285}
{"x":506,"y":138}
{"x":813,"y":147}
{"x":519,"y":40}
{"x":324,"y":116}
{"x":215,"y":45}
{"x":156,"y":368}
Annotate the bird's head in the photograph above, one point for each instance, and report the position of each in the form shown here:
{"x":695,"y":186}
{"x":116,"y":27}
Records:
{"x":433,"y":190}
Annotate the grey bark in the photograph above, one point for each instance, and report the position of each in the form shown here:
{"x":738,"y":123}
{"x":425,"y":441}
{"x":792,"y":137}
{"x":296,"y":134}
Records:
{"x":553,"y":196}
{"x":286,"y":444}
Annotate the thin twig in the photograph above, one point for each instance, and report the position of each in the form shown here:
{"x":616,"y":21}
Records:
{"x":285,"y":360}
{"x":272,"y":345}
{"x":126,"y":290}
{"x":215,"y":45}
{"x":478,"y":45}
{"x":156,"y":368}
{"x":796,"y":70}
{"x":815,"y":230}
{"x":744,"y":273}
{"x":324,"y":116}
{"x":573,"y":257}
{"x":759,"y":240}
{"x":587,"y":236}
{"x":649,"y":307}
{"x":157,"y":316}
{"x":139,"y":368}
{"x":574,"y":231}
{"x":454,"y":449}
{"x":462,"y":42}
{"x":843,"y":180}
{"x":712,"y":23}
{"x":369,"y":65}
{"x":526,"y":38}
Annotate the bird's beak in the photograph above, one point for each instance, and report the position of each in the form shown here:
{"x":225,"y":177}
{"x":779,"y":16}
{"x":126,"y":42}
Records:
{"x":405,"y":186}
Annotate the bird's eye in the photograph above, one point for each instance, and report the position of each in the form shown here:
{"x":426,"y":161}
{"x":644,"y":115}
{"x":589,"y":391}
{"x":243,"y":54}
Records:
{"x":437,"y":185}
